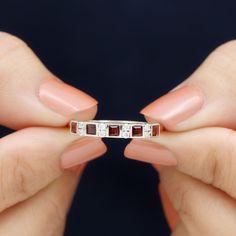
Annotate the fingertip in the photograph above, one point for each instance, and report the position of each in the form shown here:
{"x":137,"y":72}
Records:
{"x":81,"y":151}
{"x":87,"y":114}
{"x":176,"y":106}
{"x":63,"y":98}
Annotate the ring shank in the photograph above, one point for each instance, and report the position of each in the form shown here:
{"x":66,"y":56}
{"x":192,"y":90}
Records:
{"x":115,"y":129}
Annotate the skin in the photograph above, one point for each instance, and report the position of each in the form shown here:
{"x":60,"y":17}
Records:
{"x":34,"y":188}
{"x":199,"y":192}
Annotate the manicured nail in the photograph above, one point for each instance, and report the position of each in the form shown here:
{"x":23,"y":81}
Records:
{"x":150,"y":152}
{"x":81,"y":151}
{"x":63,"y":98}
{"x":176,"y":106}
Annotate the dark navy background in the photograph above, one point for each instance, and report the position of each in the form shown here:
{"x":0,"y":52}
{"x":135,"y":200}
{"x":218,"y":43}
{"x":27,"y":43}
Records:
{"x":125,"y":53}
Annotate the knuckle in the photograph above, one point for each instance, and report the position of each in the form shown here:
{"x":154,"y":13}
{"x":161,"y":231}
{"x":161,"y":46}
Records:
{"x":55,"y":212}
{"x":179,"y":190}
{"x":228,"y":164}
{"x":15,"y":173}
{"x":183,"y":198}
{"x":213,"y":170}
{"x":9,"y":46}
{"x":220,"y":162}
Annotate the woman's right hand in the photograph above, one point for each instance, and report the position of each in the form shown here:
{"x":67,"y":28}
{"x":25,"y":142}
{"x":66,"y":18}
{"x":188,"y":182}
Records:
{"x":35,"y":187}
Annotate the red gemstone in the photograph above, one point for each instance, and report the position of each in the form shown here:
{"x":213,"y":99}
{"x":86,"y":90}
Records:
{"x":137,"y":130}
{"x":73,"y":127}
{"x":114,"y":130}
{"x":91,"y":129}
{"x":155,"y":130}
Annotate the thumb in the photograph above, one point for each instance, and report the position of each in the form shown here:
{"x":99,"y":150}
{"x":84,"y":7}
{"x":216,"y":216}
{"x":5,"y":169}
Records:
{"x":206,"y":98}
{"x":30,"y":95}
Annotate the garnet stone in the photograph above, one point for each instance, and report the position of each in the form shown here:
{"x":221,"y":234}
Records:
{"x":73,"y":127}
{"x":91,"y":129}
{"x":137,"y":130}
{"x":114,"y":130}
{"x":155,"y":130}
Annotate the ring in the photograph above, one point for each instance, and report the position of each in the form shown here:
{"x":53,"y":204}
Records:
{"x":115,"y":129}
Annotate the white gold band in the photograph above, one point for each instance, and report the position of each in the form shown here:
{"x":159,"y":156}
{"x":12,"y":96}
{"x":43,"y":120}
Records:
{"x":115,"y":129}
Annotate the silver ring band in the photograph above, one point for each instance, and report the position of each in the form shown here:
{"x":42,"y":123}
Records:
{"x":115,"y":129}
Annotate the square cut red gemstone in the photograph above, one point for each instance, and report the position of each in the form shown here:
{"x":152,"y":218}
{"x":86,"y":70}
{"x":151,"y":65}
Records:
{"x":155,"y":130}
{"x":73,"y":127}
{"x":137,"y":130}
{"x":91,"y":129}
{"x":114,"y":130}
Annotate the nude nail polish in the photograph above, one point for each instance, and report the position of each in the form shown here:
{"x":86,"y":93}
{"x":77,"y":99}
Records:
{"x":63,"y":98}
{"x":150,"y":152}
{"x":81,"y":151}
{"x":176,"y":106}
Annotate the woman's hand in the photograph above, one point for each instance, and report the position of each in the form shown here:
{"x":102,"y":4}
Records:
{"x":199,"y":146}
{"x":36,"y":187}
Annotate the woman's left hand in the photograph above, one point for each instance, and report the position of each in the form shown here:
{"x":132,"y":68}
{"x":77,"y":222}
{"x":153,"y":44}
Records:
{"x":199,"y":148}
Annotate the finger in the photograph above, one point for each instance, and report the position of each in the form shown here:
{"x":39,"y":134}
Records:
{"x":180,"y":230}
{"x":43,"y":214}
{"x":203,"y":209}
{"x":207,"y":154}
{"x":32,"y":158}
{"x":30,"y":95}
{"x":170,"y":213}
{"x":205,"y":99}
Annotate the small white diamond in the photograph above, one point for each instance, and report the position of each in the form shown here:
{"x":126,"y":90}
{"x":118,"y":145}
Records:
{"x":80,"y":125}
{"x":147,"y":134}
{"x":147,"y":128}
{"x":102,"y":130}
{"x":81,"y":131}
{"x":125,"y":135}
{"x":126,"y":127}
{"x":102,"y":133}
{"x":102,"y":126}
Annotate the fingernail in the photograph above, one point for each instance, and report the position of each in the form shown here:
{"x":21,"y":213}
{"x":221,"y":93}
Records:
{"x":81,"y":151}
{"x":63,"y":98}
{"x":176,"y":106}
{"x":150,"y":152}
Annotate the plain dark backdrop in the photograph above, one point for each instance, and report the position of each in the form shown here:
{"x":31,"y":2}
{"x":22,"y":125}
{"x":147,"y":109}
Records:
{"x":125,"y":53}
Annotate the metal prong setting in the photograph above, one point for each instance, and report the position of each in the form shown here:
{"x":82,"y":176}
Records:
{"x":115,"y":129}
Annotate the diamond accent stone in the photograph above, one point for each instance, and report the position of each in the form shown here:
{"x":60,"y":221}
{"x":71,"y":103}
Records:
{"x":102,"y":130}
{"x":102,"y":133}
{"x":115,"y":129}
{"x":126,"y":135}
{"x":102,"y":127}
{"x":126,"y":131}
{"x":147,"y":128}
{"x":81,"y":128}
{"x":147,"y":131}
